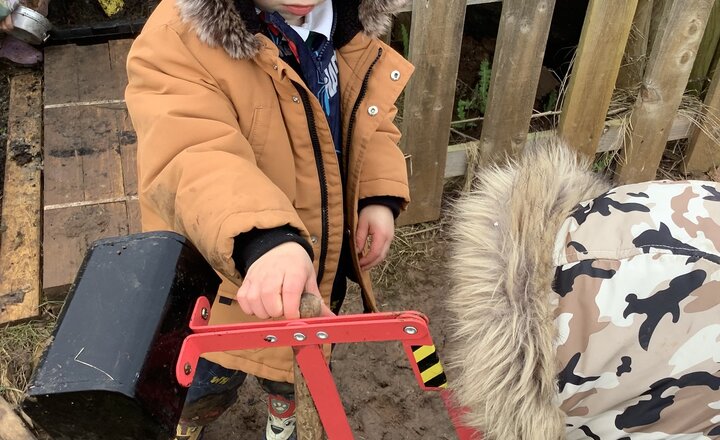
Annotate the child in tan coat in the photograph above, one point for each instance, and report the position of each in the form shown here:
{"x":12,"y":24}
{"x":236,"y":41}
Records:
{"x":266,"y":136}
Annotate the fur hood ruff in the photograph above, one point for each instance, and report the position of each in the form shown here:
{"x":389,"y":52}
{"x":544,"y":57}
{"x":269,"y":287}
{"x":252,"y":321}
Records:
{"x":230,"y":24}
{"x":504,"y":234}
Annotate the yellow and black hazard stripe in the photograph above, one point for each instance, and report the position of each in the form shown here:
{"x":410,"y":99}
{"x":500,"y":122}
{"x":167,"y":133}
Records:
{"x":428,"y":363}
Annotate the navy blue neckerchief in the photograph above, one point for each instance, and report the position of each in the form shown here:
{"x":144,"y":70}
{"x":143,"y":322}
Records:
{"x":316,"y":62}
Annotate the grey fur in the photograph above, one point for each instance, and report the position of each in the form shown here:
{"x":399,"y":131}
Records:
{"x":504,"y":234}
{"x":218,"y":23}
{"x":375,"y":15}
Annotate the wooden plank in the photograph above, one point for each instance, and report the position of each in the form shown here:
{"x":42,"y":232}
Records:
{"x":658,"y":19}
{"x":408,"y":7}
{"x":118,"y":50}
{"x":90,"y":148}
{"x":613,"y":137}
{"x":633,"y":68}
{"x":83,"y":153}
{"x":706,"y":53}
{"x":68,"y":233}
{"x":523,"y":34}
{"x":12,"y":426}
{"x":611,"y":140}
{"x":435,"y":40}
{"x":594,"y":74}
{"x":457,"y":159}
{"x":21,"y":203}
{"x":714,"y":63}
{"x":127,"y":142}
{"x":81,"y":74}
{"x":133,"y":216}
{"x":703,"y":152}
{"x":667,"y":74}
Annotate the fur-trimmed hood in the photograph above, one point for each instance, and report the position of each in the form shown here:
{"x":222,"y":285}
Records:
{"x":502,"y":267}
{"x":232,"y":24}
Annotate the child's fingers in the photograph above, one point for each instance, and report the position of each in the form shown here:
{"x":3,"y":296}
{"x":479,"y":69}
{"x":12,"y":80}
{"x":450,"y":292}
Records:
{"x":361,"y":234}
{"x":381,"y":255}
{"x":311,"y":285}
{"x":242,"y":297}
{"x":254,"y":300}
{"x":292,"y":289}
{"x":8,"y":24}
{"x":271,"y":294}
{"x":375,"y":254}
{"x":372,"y":255}
{"x":370,"y":264}
{"x":325,"y":310}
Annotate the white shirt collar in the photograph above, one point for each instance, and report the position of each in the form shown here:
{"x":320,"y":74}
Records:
{"x":319,"y":20}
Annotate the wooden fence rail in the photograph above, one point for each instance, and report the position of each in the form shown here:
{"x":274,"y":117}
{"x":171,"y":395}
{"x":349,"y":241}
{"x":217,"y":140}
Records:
{"x":659,"y":41}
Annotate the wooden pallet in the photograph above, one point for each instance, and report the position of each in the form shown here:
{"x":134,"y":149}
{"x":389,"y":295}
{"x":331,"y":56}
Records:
{"x":21,"y":204}
{"x":90,"y":181}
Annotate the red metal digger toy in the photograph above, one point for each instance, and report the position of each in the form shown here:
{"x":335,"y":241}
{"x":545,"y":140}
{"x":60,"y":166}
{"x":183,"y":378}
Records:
{"x":306,"y":336}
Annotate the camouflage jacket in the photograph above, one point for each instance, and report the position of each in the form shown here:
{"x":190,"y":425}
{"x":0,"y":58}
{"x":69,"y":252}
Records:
{"x":638,"y":312}
{"x":584,"y":311}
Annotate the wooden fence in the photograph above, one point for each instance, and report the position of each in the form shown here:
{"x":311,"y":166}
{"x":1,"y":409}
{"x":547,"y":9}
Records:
{"x":658,"y":39}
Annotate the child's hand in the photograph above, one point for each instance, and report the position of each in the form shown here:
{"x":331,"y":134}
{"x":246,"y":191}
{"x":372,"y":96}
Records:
{"x":6,"y":24}
{"x":274,"y":282}
{"x":6,"y":8}
{"x":378,"y":222}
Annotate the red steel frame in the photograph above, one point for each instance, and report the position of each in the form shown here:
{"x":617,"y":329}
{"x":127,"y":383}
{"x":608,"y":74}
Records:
{"x":308,"y":336}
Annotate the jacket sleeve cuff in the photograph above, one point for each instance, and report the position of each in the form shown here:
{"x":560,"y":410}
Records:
{"x":395,"y":204}
{"x":254,"y":244}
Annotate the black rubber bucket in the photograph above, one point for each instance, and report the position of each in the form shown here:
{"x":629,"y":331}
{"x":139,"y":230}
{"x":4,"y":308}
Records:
{"x":109,"y":371}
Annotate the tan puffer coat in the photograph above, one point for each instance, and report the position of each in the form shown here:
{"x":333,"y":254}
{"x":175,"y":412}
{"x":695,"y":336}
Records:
{"x":230,"y":139}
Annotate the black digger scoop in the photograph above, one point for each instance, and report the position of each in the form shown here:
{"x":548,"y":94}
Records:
{"x":109,"y":371}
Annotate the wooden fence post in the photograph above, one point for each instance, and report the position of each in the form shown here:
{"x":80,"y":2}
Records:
{"x":594,"y":74}
{"x":633,"y":68}
{"x":658,"y":19}
{"x":435,"y":41}
{"x":668,"y":71}
{"x":703,"y":152}
{"x":706,"y":53}
{"x":522,"y":38}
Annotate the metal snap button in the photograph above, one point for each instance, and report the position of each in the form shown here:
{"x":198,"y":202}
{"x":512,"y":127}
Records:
{"x":373,"y":110}
{"x":296,"y":99}
{"x":313,"y":239}
{"x":395,"y":75}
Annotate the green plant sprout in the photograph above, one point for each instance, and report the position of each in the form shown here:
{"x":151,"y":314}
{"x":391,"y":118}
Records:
{"x":405,"y":35}
{"x":476,"y":104}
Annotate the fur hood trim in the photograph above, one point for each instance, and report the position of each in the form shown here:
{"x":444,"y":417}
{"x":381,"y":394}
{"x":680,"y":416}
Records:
{"x":503,"y":337}
{"x":230,"y":24}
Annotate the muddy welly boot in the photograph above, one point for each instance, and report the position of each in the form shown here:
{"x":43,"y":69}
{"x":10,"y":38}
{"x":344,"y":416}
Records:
{"x":281,"y":418}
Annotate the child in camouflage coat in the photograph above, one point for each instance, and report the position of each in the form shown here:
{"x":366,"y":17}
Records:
{"x":586,"y":311}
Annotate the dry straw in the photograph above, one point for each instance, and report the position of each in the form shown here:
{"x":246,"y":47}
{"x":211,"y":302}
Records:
{"x":21,"y":346}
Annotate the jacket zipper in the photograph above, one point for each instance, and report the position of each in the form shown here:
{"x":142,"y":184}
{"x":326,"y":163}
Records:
{"x":315,"y":139}
{"x":353,"y":114}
